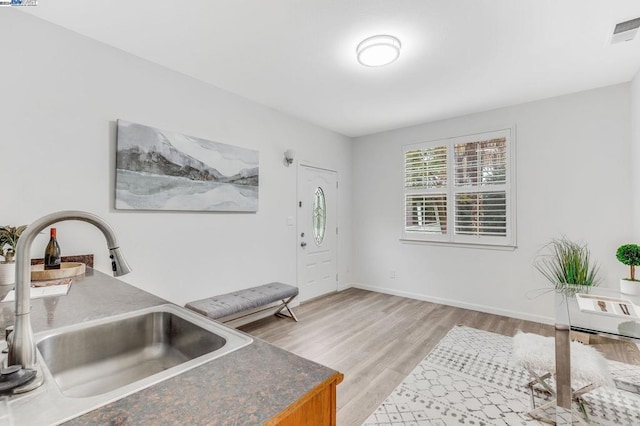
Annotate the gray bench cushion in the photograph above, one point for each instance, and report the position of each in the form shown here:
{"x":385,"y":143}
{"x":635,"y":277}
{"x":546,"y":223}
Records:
{"x":238,"y":301}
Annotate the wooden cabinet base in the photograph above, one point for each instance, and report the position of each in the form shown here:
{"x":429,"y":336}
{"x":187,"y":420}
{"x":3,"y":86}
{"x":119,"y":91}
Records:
{"x":316,"y":408}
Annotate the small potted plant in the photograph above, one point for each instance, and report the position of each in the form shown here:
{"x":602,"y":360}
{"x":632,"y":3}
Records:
{"x":629,"y":254}
{"x":8,"y":241}
{"x":568,"y":264}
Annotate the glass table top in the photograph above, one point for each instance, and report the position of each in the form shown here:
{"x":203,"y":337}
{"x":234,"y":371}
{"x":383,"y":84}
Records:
{"x":600,"y":310}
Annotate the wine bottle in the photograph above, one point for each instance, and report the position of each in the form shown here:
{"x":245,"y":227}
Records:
{"x":52,"y":252}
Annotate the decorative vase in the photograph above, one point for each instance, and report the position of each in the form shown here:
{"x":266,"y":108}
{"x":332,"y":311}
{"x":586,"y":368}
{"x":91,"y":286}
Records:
{"x":7,"y":273}
{"x":630,"y":287}
{"x":4,"y":290}
{"x":7,"y":278}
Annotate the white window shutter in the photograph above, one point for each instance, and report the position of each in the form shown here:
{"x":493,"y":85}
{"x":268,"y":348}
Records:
{"x":459,"y":190}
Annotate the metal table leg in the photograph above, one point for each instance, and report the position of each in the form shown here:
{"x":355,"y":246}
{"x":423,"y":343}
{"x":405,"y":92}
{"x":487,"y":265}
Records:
{"x":563,"y":361}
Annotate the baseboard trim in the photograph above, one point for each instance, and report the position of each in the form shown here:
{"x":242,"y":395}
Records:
{"x":455,"y":303}
{"x":343,"y":287}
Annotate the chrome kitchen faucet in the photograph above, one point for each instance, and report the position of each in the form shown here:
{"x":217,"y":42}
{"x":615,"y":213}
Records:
{"x":21,"y":342}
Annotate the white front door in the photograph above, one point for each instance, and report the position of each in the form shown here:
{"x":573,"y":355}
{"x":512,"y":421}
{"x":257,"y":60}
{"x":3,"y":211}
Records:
{"x":317,"y":231}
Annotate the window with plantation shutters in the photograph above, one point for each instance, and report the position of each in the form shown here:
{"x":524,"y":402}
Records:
{"x":426,"y":190}
{"x":459,"y":190}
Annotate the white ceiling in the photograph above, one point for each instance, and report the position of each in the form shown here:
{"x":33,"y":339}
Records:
{"x":298,"y":56}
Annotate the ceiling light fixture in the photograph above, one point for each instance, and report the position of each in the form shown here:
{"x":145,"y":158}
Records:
{"x":378,"y":50}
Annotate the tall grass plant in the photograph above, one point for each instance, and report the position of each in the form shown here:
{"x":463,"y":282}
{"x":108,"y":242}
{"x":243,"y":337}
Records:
{"x":567,"y":263}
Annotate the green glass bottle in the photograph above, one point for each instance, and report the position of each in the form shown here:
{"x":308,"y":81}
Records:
{"x":52,"y":252}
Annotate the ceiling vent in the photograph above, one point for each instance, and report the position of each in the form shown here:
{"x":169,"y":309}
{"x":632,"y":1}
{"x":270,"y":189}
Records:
{"x":625,"y":31}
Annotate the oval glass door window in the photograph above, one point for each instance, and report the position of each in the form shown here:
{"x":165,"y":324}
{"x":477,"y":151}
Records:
{"x":319,"y":216}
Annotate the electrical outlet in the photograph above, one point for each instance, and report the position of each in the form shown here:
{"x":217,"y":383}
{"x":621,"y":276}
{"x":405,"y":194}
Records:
{"x":392,"y":273}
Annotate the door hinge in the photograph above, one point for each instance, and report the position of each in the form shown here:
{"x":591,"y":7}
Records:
{"x":336,"y":184}
{"x":336,"y":230}
{"x":336,"y":277}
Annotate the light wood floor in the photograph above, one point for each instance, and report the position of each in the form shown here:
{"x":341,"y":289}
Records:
{"x":376,"y":339}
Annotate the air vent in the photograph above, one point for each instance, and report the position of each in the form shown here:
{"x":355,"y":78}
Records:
{"x":625,"y":31}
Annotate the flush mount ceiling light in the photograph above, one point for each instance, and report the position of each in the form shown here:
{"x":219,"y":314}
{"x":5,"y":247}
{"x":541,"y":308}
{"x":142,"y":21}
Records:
{"x":378,"y":50}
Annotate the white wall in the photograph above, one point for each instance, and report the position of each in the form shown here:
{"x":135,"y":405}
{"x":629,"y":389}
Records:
{"x":635,"y":155}
{"x":573,"y":179}
{"x":60,"y":94}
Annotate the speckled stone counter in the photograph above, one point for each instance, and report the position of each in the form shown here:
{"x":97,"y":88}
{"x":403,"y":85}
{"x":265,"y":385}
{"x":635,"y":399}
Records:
{"x":91,"y":296}
{"x":246,"y":387}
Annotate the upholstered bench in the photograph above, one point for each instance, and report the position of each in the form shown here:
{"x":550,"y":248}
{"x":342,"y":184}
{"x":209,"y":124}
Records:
{"x":238,"y":306}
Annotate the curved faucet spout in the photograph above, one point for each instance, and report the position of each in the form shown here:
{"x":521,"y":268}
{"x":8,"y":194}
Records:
{"x":22,"y":348}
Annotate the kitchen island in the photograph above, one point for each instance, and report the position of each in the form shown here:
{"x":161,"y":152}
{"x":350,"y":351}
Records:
{"x":257,"y":384}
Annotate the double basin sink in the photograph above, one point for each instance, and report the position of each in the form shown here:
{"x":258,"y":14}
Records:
{"x":90,"y":364}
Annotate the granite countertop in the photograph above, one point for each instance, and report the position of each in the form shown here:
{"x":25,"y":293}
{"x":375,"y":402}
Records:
{"x":248,"y":386}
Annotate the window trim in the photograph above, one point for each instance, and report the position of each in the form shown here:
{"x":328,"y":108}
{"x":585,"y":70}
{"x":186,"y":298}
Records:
{"x":451,"y":238}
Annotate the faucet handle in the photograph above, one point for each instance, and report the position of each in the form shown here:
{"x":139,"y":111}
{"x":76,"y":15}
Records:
{"x":7,"y":333}
{"x":8,"y":337}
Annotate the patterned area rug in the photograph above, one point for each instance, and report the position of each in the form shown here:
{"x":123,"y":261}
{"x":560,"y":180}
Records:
{"x":468,"y":379}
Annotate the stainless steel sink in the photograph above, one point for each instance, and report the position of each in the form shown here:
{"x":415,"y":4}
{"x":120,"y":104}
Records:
{"x":131,"y":351}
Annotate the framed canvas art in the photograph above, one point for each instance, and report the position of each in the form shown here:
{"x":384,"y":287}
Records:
{"x":162,"y":170}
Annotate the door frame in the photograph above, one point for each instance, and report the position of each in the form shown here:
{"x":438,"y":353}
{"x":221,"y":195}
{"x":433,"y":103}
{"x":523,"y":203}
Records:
{"x":299,"y":167}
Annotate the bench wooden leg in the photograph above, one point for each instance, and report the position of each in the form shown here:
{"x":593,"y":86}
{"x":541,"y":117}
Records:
{"x":285,"y":304}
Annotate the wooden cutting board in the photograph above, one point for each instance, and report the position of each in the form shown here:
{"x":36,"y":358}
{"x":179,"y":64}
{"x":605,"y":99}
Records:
{"x":67,"y":269}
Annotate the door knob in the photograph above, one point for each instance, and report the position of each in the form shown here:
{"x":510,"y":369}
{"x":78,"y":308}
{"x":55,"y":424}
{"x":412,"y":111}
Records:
{"x":303,"y":244}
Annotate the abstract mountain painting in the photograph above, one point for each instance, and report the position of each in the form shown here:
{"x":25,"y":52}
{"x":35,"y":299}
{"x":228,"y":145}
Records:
{"x":161,"y":170}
